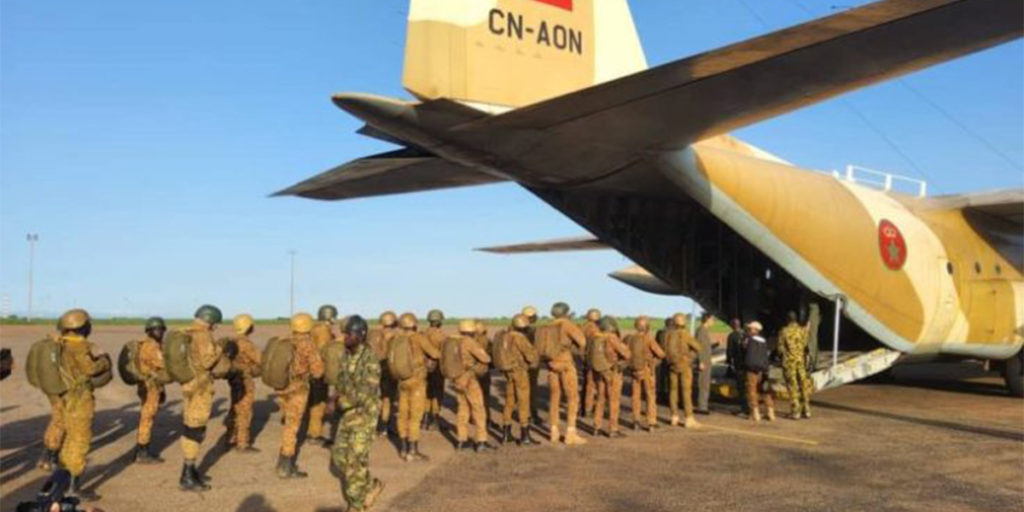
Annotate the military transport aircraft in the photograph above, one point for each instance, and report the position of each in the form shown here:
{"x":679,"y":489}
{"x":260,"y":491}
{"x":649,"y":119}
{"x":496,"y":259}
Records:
{"x":556,"y":96}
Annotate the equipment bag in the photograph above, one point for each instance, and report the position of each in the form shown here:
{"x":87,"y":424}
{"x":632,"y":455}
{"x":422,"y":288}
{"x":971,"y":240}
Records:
{"x":333,"y":354}
{"x":103,"y":378}
{"x":639,"y":357}
{"x":401,"y":360}
{"x":451,"y":359}
{"x":44,"y":366}
{"x":597,"y":355}
{"x":675,"y":346}
{"x":378,"y":344}
{"x":504,"y":356}
{"x":177,"y":359}
{"x":277,"y":362}
{"x":128,"y":363}
{"x":757,"y":357}
{"x":550,"y":341}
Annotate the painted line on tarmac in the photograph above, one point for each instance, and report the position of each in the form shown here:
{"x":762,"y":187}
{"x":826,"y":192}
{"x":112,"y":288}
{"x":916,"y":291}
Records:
{"x":762,"y":435}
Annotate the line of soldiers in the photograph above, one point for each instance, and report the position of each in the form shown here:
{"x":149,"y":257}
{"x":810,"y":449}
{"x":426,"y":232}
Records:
{"x":397,"y":371}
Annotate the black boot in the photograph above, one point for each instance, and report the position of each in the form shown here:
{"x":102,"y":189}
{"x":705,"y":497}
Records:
{"x":484,"y":446}
{"x":189,"y":480}
{"x":524,"y":436}
{"x":144,"y":456}
{"x":284,"y":467}
{"x":296,"y":472}
{"x":462,"y":446}
{"x":78,"y":492}
{"x":403,"y":450}
{"x":382,"y":428}
{"x":414,"y":454}
{"x":47,"y":460}
{"x":506,"y":434}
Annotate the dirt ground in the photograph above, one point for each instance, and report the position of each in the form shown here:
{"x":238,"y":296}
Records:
{"x":932,"y":437}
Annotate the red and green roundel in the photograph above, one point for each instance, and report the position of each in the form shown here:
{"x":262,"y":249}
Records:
{"x":891,"y":245}
{"x":562,"y":4}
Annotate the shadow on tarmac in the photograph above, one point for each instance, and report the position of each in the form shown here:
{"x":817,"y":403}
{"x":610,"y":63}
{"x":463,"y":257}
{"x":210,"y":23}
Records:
{"x":947,"y":425}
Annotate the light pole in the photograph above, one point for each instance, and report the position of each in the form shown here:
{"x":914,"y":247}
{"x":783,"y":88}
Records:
{"x":32,"y":238}
{"x":292,"y":286}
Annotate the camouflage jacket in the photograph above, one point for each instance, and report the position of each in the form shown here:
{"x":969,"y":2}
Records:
{"x":793,"y":342}
{"x":151,"y":360}
{"x":80,"y":363}
{"x":359,"y":385}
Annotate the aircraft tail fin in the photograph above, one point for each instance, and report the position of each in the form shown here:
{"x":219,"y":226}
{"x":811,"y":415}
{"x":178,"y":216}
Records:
{"x":510,"y":53}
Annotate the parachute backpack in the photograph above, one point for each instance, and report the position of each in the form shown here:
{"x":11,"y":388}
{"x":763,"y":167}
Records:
{"x":675,"y":346}
{"x":504,"y":355}
{"x":177,"y":359}
{"x":639,"y":356}
{"x":128,"y":363}
{"x":333,"y":354}
{"x":451,"y":359}
{"x":277,"y":361}
{"x":550,"y":341}
{"x":401,"y":360}
{"x":597,"y":355}
{"x":43,"y":366}
{"x":103,"y":378}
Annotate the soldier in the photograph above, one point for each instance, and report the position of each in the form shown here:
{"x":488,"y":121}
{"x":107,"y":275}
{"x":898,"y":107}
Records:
{"x":793,"y":345}
{"x":412,"y":391}
{"x":645,"y":352}
{"x":483,"y":371}
{"x":468,"y":395}
{"x":204,"y":353}
{"x":519,"y":356}
{"x":388,"y":387}
{"x":306,"y":365}
{"x":679,"y":350}
{"x":608,"y":379}
{"x":590,"y":330}
{"x":704,"y":363}
{"x":435,"y":379}
{"x":757,"y":362}
{"x":661,"y":371}
{"x":359,"y":409}
{"x":734,"y":351}
{"x":534,"y":371}
{"x":323,"y":333}
{"x":151,"y":388}
{"x":562,"y":376}
{"x":80,"y":361}
{"x":244,"y":368}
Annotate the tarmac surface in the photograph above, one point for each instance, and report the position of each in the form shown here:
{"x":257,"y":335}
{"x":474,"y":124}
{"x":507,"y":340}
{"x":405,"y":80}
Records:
{"x":930,"y":437}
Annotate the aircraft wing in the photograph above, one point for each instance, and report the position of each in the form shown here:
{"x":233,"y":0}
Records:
{"x":396,"y":172}
{"x":997,"y":216}
{"x":688,"y":100}
{"x":580,"y":243}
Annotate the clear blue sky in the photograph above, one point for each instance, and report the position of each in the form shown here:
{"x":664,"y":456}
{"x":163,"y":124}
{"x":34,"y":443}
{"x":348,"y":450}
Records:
{"x":140,"y":140}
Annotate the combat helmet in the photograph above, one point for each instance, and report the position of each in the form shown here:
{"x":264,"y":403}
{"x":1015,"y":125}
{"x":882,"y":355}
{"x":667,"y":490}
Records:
{"x":242,"y":323}
{"x":679,"y":320}
{"x":154,"y":323}
{"x":327,"y":313}
{"x":407,"y":321}
{"x":608,"y":324}
{"x":388,"y":319}
{"x":73,"y":319}
{"x":209,"y":314}
{"x":302,"y":323}
{"x":560,"y":309}
{"x":520,"y":322}
{"x":642,"y":323}
{"x":594,"y":314}
{"x":435,"y":316}
{"x":467,"y":326}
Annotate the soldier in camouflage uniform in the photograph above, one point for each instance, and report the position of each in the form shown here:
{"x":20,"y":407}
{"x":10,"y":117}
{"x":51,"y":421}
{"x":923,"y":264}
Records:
{"x":244,"y":368}
{"x":643,"y":378}
{"x":680,"y":371}
{"x":483,"y":370}
{"x":793,"y":344}
{"x":468,"y":395}
{"x":388,"y":387}
{"x":435,"y":380}
{"x":562,"y":378}
{"x":359,"y":406}
{"x":81,"y":361}
{"x":412,"y":392}
{"x":534,"y":370}
{"x":517,"y":381}
{"x":306,"y":365}
{"x":609,"y":382}
{"x":151,"y":388}
{"x":204,"y":353}
{"x":323,"y":334}
{"x":590,"y":330}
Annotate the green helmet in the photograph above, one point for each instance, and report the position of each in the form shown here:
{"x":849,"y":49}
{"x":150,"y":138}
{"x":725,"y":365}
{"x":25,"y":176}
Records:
{"x":608,"y":324}
{"x":327,"y":313}
{"x":209,"y":314}
{"x":435,"y":316}
{"x":155,"y":322}
{"x":559,"y":310}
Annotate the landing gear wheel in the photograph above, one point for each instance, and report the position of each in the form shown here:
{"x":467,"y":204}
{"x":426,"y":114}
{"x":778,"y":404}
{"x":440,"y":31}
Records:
{"x":1013,"y":372}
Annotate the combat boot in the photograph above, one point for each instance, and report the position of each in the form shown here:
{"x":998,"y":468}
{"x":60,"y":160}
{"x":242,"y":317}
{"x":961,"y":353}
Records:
{"x":555,"y":435}
{"x":189,"y":480}
{"x":414,"y":454}
{"x":524,"y":437}
{"x":771,"y":414}
{"x":382,"y":428}
{"x":483,"y":446}
{"x":47,"y":460}
{"x":675,"y":420}
{"x":755,"y":415}
{"x":506,"y":434}
{"x":376,"y":488}
{"x":572,"y":438}
{"x":461,"y":446}
{"x":82,"y":494}
{"x":807,"y":413}
{"x":616,"y":435}
{"x":295,"y":471}
{"x":403,"y":450}
{"x":690,"y":422}
{"x":144,"y":456}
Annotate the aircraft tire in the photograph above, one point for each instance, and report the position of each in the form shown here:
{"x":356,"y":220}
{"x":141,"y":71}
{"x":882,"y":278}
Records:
{"x":1013,"y":373}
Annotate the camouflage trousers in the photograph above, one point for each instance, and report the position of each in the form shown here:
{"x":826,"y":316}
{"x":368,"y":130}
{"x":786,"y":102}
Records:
{"x":149,"y":393}
{"x":78,"y":412}
{"x":243,"y":395}
{"x":293,"y":403}
{"x":589,"y":390}
{"x":644,"y":387}
{"x":562,"y":380}
{"x":318,"y":391}
{"x":517,"y":396}
{"x":198,"y":397}
{"x":609,"y":391}
{"x":54,"y":435}
{"x":680,"y":382}
{"x":411,"y":401}
{"x":351,"y":454}
{"x":798,"y":384}
{"x":470,"y":405}
{"x":435,"y":391}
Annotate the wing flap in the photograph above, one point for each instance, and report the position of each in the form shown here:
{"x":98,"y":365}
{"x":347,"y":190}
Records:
{"x":396,"y":172}
{"x":580,"y":243}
